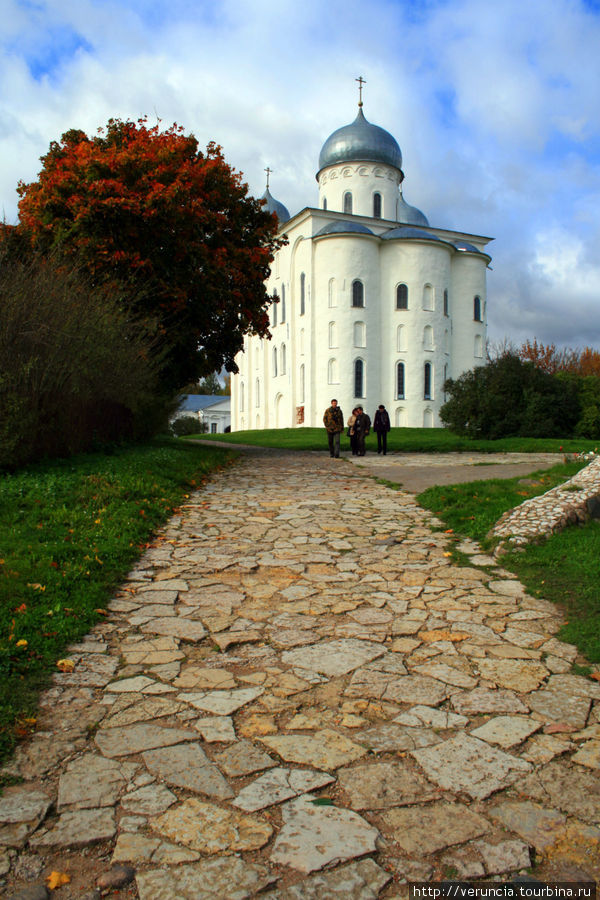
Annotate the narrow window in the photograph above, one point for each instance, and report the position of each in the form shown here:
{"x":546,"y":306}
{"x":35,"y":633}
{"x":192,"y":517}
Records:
{"x":332,"y":372}
{"x":427,"y":419}
{"x":428,"y":338}
{"x":282,"y":303}
{"x":274,"y":307}
{"x":332,"y":334}
{"x":445,"y":380}
{"x":213,"y":427}
{"x":478,"y":346}
{"x":400,"y":381}
{"x":400,"y":417}
{"x":359,"y":334}
{"x":302,"y":384}
{"x":359,"y":378}
{"x":446,"y":303}
{"x":242,"y":391}
{"x":427,"y":381}
{"x":283,"y":359}
{"x":257,"y":386}
{"x":402,"y":297}
{"x":274,"y":362}
{"x":331,"y":295}
{"x":348,"y":202}
{"x":427,"y":297}
{"x":302,"y":293}
{"x":302,"y":342}
{"x":477,"y":308}
{"x":358,"y":294}
{"x":377,"y":205}
{"x":400,"y":341}
{"x":324,"y":202}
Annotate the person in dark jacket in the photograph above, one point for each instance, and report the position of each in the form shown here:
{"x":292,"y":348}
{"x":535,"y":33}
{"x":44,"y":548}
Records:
{"x":381,"y":426}
{"x":362,"y":426}
{"x":333,"y":420}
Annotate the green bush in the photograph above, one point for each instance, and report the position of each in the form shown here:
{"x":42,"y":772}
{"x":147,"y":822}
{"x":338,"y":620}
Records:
{"x":589,"y":403}
{"x":183,"y":425}
{"x":75,"y":370}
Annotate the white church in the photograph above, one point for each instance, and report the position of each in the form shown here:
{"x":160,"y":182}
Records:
{"x":374,"y":304}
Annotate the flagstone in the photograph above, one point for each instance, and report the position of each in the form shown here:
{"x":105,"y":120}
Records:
{"x":187,"y":766}
{"x":572,"y":789}
{"x":422,"y":830}
{"x":201,"y":678}
{"x":381,"y":785}
{"x":539,"y":826}
{"x":277,"y":785}
{"x":447,"y":674}
{"x":541,"y":748}
{"x":333,"y":658}
{"x":506,"y":731}
{"x":503,"y":856}
{"x":216,"y":729}
{"x":221,"y":703}
{"x":555,"y":706}
{"x":325,"y":749}
{"x":482,"y":701}
{"x":130,"y":685}
{"x":418,"y":715}
{"x":77,"y":828}
{"x":130,"y":708}
{"x":464,"y":763}
{"x":148,"y":800}
{"x":243,"y":758}
{"x":190,"y":630}
{"x":575,"y":686}
{"x":515,"y":674}
{"x":21,"y":811}
{"x":92,"y":780}
{"x":138,"y":848}
{"x":359,"y":880}
{"x":391,"y":737}
{"x":210,"y":829}
{"x":209,"y":879}
{"x":140,"y":736}
{"x":313,"y":837}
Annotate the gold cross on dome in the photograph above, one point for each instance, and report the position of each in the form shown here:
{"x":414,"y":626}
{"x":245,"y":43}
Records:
{"x":361,"y":81}
{"x":268,"y":171}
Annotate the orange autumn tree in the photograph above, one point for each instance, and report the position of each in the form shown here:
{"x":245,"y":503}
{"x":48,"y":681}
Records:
{"x":170,"y":227}
{"x":551,"y":359}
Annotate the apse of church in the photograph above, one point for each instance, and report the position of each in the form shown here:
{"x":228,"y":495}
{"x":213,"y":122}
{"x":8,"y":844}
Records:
{"x":375,"y":304}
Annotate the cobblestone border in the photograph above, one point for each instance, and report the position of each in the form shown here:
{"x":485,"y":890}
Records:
{"x":574,"y":502}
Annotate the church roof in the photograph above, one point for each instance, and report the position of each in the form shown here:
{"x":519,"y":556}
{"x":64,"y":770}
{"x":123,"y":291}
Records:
{"x":343,"y":227}
{"x":466,"y":247}
{"x":410,"y":215}
{"x":360,"y":141}
{"x":404,"y":232}
{"x":274,"y":206}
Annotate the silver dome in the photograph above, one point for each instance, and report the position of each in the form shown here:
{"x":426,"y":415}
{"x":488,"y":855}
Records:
{"x":270,"y":204}
{"x":341,"y":227}
{"x":410,"y":215}
{"x":360,"y":141}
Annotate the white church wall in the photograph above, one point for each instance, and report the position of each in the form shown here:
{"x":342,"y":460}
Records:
{"x":362,"y":180}
{"x":468,"y":282}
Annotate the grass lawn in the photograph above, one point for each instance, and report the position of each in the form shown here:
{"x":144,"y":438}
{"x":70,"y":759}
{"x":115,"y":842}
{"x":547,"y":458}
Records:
{"x":70,"y":531}
{"x":409,"y":440}
{"x":564,"y":569}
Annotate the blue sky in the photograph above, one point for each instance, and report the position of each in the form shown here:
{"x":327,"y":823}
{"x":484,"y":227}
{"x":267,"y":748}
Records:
{"x":495,"y":106}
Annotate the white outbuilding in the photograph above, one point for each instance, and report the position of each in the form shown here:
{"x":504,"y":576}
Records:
{"x":375,"y":305}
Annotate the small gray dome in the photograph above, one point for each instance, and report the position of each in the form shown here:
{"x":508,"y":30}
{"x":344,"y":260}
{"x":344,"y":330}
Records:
{"x":466,"y":247}
{"x":410,"y":215}
{"x":405,"y":232}
{"x":340,"y":227}
{"x":360,"y":141}
{"x":274,"y":206}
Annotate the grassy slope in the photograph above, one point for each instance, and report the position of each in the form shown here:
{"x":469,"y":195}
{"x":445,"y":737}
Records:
{"x":70,"y":531}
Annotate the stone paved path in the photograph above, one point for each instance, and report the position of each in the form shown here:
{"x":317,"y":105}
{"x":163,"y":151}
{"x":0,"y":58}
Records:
{"x":297,"y":695}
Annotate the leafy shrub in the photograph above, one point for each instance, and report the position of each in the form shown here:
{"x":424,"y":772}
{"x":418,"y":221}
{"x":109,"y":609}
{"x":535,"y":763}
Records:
{"x":187,"y":425}
{"x":75,"y":369}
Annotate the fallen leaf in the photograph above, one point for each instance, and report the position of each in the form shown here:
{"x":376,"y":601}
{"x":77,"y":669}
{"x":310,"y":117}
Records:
{"x":21,"y":643}
{"x":65,"y":665}
{"x":57,"y":879}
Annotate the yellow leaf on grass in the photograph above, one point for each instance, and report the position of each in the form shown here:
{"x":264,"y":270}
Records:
{"x":65,"y":665}
{"x":57,"y":879}
{"x":21,"y":643}
{"x":37,"y":587}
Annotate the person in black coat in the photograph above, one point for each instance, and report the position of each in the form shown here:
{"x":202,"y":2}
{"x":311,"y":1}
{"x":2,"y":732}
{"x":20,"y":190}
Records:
{"x":362,"y":425}
{"x":381,"y":426}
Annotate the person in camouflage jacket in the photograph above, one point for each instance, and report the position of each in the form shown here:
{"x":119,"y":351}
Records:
{"x":333,"y":420}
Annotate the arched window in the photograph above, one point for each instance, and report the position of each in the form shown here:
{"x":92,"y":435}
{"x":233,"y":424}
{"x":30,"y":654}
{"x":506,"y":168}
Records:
{"x":332,"y":334}
{"x":359,"y":378}
{"x":428,"y":338}
{"x":400,"y":381}
{"x":376,"y":205}
{"x":301,"y":384}
{"x":427,"y":381}
{"x":257,"y":391}
{"x":427,"y":419}
{"x":302,"y":342}
{"x":477,"y":308}
{"x":283,"y":359}
{"x":478,"y":351}
{"x":282,"y":303}
{"x":331,"y":293}
{"x":274,"y":308}
{"x":274,"y":362}
{"x":402,"y":297}
{"x":445,"y":380}
{"x":446,"y":306}
{"x":358,"y":294}
{"x":332,"y":372}
{"x":400,"y":417}
{"x":324,"y":202}
{"x":359,"y":334}
{"x":242,"y":392}
{"x":302,"y":294}
{"x":400,"y":338}
{"x":348,"y":202}
{"x":427,"y":296}
{"x":446,"y":342}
